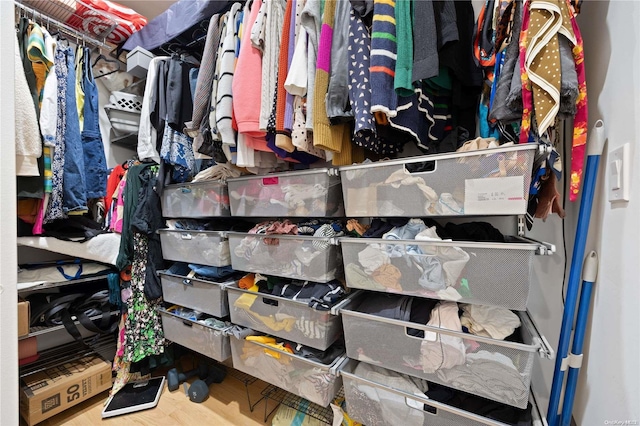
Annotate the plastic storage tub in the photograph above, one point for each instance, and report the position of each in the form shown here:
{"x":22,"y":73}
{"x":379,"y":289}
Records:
{"x":309,"y":193}
{"x":376,"y":404}
{"x":485,"y":182}
{"x":200,"y":247}
{"x":205,"y":296}
{"x":209,"y":341}
{"x":301,"y":257}
{"x":195,"y":200}
{"x":499,"y":370}
{"x":306,"y":378}
{"x":296,"y":321}
{"x":446,"y":270}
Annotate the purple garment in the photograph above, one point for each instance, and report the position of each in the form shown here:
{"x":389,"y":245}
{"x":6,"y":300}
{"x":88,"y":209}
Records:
{"x":297,"y":156}
{"x":288,"y":107}
{"x":177,"y":19}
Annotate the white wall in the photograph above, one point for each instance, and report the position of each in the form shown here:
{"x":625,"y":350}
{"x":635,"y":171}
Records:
{"x":8,"y":252}
{"x":610,"y":377}
{"x":609,"y":386}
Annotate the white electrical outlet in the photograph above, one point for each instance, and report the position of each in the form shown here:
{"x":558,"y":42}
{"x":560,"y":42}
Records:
{"x":618,"y":171}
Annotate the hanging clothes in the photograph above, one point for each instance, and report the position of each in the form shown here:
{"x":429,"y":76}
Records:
{"x":29,"y":187}
{"x":74,"y":200}
{"x":95,"y":162}
{"x":54,"y":208}
{"x":27,"y":138}
{"x":144,"y":335}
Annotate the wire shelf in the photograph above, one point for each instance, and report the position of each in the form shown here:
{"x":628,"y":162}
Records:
{"x":245,"y":378}
{"x":76,"y":18}
{"x":281,"y":396}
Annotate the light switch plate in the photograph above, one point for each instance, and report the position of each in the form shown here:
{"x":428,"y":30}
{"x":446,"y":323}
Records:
{"x":618,"y":173}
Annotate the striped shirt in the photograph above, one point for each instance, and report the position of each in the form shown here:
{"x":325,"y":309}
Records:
{"x":383,"y":58}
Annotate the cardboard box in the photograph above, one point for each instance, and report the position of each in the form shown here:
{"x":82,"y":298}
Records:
{"x":49,"y":392}
{"x":24,"y":314}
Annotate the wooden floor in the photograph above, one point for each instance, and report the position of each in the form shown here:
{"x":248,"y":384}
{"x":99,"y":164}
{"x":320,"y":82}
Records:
{"x":227,"y":405}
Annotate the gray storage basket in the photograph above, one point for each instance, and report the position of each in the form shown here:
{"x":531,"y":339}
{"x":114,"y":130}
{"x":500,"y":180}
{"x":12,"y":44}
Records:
{"x":292,"y":256}
{"x":485,"y":182}
{"x":382,"y":412}
{"x":201,"y":247}
{"x":385,"y":342}
{"x":462,"y":269}
{"x":314,"y":328}
{"x":208,"y":341}
{"x":309,"y":193}
{"x":201,"y":295}
{"x":196,"y":200}
{"x":311,"y":380}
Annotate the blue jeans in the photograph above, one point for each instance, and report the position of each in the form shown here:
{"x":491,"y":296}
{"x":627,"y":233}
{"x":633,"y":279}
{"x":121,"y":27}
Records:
{"x":74,"y":190}
{"x":95,"y":163}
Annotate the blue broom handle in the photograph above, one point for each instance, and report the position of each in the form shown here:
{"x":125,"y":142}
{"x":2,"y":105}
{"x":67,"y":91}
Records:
{"x":578,"y":336}
{"x":595,"y":146}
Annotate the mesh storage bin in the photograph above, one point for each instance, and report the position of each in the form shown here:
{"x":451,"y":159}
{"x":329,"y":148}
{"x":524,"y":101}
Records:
{"x":200,"y":247}
{"x":496,"y":369}
{"x":202,"y":295}
{"x":306,"y":378}
{"x":195,"y":200}
{"x":445,"y":270}
{"x":292,"y":256}
{"x":485,"y":182}
{"x":209,"y":341}
{"x":294,"y":320}
{"x":309,"y":193}
{"x":376,"y":404}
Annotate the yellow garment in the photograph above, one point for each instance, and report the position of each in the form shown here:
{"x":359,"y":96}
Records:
{"x":246,"y":301}
{"x":79,"y":91}
{"x":249,"y":351}
{"x":325,"y":135}
{"x":261,"y":339}
{"x":37,"y":54}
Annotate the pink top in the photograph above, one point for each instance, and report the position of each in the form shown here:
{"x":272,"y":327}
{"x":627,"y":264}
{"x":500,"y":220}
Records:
{"x":247,"y":81}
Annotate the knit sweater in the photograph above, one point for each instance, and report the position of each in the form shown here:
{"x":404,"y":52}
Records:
{"x":312,"y":22}
{"x":246,"y":80}
{"x":202,"y":95}
{"x":425,"y":51}
{"x":224,"y":97}
{"x":28,"y":144}
{"x":283,"y":138}
{"x":273,"y":21}
{"x":402,"y":82}
{"x":325,"y":136}
{"x":383,"y":58}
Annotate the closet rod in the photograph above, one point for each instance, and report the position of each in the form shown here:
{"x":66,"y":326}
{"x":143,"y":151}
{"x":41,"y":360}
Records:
{"x":45,"y":20}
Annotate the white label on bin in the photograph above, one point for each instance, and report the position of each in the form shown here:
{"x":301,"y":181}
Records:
{"x":496,"y":195}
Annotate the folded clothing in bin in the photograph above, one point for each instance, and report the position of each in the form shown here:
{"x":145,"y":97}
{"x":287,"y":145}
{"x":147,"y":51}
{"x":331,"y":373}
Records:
{"x":203,"y":272}
{"x":320,"y":296}
{"x":304,"y":258}
{"x":457,"y":362}
{"x":219,"y":224}
{"x":199,"y":317}
{"x":396,"y":409}
{"x":287,"y":372}
{"x":437,"y":268}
